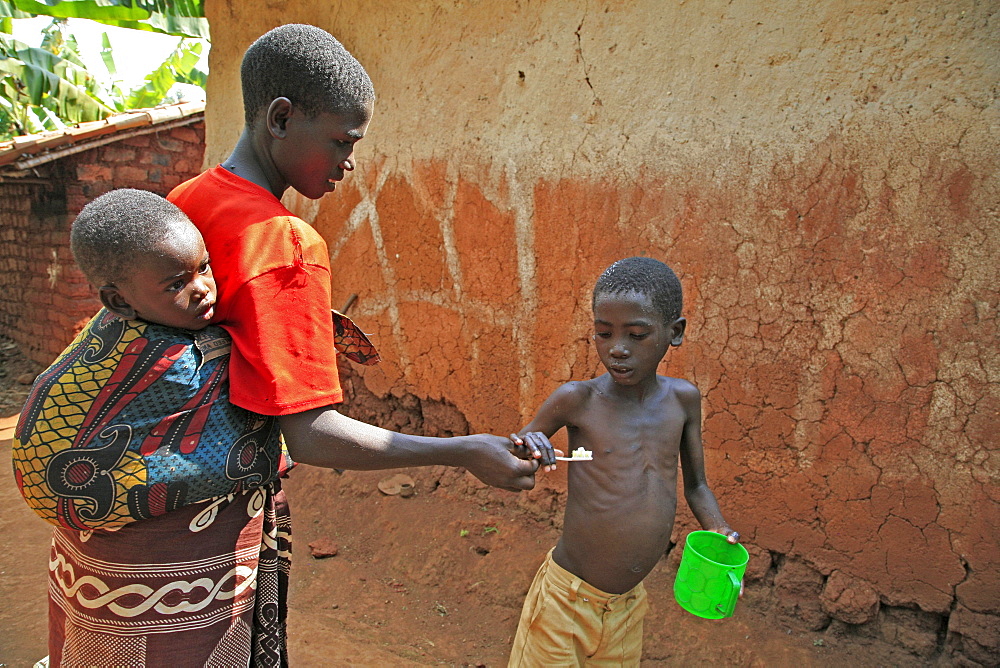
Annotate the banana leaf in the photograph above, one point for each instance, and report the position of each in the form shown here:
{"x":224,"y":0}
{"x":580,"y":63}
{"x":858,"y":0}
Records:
{"x":179,"y":67}
{"x":46,"y":80}
{"x":9,"y":11}
{"x":172,"y":17}
{"x":129,"y":10}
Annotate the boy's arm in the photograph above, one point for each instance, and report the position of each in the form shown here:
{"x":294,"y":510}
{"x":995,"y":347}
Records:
{"x":699,"y":497}
{"x":552,"y":416}
{"x":324,"y":437}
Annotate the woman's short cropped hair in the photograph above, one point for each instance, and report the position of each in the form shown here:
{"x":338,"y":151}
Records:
{"x":308,"y":66}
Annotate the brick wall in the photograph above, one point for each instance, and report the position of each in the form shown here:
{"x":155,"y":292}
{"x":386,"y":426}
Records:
{"x":44,"y":298}
{"x":16,"y":202}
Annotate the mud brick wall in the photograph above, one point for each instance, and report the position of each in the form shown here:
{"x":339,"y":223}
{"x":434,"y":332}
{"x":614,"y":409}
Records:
{"x":44,"y":298}
{"x":823,"y":176}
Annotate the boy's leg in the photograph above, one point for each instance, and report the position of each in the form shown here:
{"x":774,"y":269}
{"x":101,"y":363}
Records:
{"x":529,"y":610}
{"x":561,"y":621}
{"x":621,"y":644}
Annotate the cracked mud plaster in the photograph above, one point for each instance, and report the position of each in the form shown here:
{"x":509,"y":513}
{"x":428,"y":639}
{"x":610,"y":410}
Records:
{"x":842,"y":332}
{"x":824,"y":397}
{"x":824,"y":182}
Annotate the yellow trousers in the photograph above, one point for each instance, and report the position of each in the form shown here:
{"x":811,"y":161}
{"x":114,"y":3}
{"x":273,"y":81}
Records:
{"x":567,"y":622}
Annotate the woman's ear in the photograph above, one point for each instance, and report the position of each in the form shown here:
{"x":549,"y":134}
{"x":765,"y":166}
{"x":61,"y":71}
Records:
{"x":278,"y":113}
{"x":677,"y":331}
{"x":115,"y":302}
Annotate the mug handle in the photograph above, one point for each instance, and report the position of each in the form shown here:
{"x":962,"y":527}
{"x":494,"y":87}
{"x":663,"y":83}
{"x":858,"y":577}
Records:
{"x":734,"y":594}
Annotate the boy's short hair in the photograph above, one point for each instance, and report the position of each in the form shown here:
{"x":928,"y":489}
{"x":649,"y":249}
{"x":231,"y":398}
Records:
{"x":113,"y":231}
{"x":645,"y":276}
{"x":307,"y":65}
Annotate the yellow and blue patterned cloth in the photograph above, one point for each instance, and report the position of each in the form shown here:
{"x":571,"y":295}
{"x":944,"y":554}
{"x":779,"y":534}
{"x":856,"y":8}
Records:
{"x":134,"y":420}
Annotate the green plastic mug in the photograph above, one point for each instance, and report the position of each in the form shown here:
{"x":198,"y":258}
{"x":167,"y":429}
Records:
{"x":710,"y":575}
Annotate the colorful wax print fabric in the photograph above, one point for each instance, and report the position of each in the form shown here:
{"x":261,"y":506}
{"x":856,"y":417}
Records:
{"x":351,"y":342}
{"x":134,"y":420}
{"x":204,"y":585}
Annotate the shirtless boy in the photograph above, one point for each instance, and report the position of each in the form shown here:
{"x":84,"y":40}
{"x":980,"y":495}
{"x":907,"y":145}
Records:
{"x":587,"y":602}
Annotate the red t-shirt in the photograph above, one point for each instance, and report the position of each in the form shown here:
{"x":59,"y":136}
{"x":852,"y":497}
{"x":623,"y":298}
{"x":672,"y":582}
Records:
{"x":273,"y":275}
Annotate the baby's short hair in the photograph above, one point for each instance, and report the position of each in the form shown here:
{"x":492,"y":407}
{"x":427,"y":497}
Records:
{"x":645,"y":276}
{"x":307,"y":65}
{"x":113,"y":231}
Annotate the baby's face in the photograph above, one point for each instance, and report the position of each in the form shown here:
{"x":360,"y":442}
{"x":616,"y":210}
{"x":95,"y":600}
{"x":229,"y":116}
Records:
{"x":630,"y":336}
{"x":172,"y":284}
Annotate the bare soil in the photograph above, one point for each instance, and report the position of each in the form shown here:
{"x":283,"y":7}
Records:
{"x":433,"y":579}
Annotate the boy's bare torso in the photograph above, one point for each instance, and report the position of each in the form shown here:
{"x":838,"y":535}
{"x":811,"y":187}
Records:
{"x":620,"y":507}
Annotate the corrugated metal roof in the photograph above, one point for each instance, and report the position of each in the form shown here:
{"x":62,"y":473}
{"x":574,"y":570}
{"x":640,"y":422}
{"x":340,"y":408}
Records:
{"x":29,"y":151}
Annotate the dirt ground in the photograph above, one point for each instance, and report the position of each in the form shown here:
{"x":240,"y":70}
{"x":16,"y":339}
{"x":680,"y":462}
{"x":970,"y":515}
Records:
{"x":433,"y":579}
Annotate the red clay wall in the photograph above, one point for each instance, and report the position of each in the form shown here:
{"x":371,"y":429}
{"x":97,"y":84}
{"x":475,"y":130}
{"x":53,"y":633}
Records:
{"x":821,"y":175}
{"x":44,"y":299}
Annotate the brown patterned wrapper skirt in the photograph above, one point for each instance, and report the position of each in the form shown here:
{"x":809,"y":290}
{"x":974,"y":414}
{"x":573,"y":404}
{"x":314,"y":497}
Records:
{"x":203,"y":585}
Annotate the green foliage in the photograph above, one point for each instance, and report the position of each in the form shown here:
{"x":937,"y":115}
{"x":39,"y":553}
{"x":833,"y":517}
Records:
{"x":39,"y":88}
{"x":9,"y":11}
{"x":46,"y":87}
{"x":173,"y":17}
{"x":179,"y":67}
